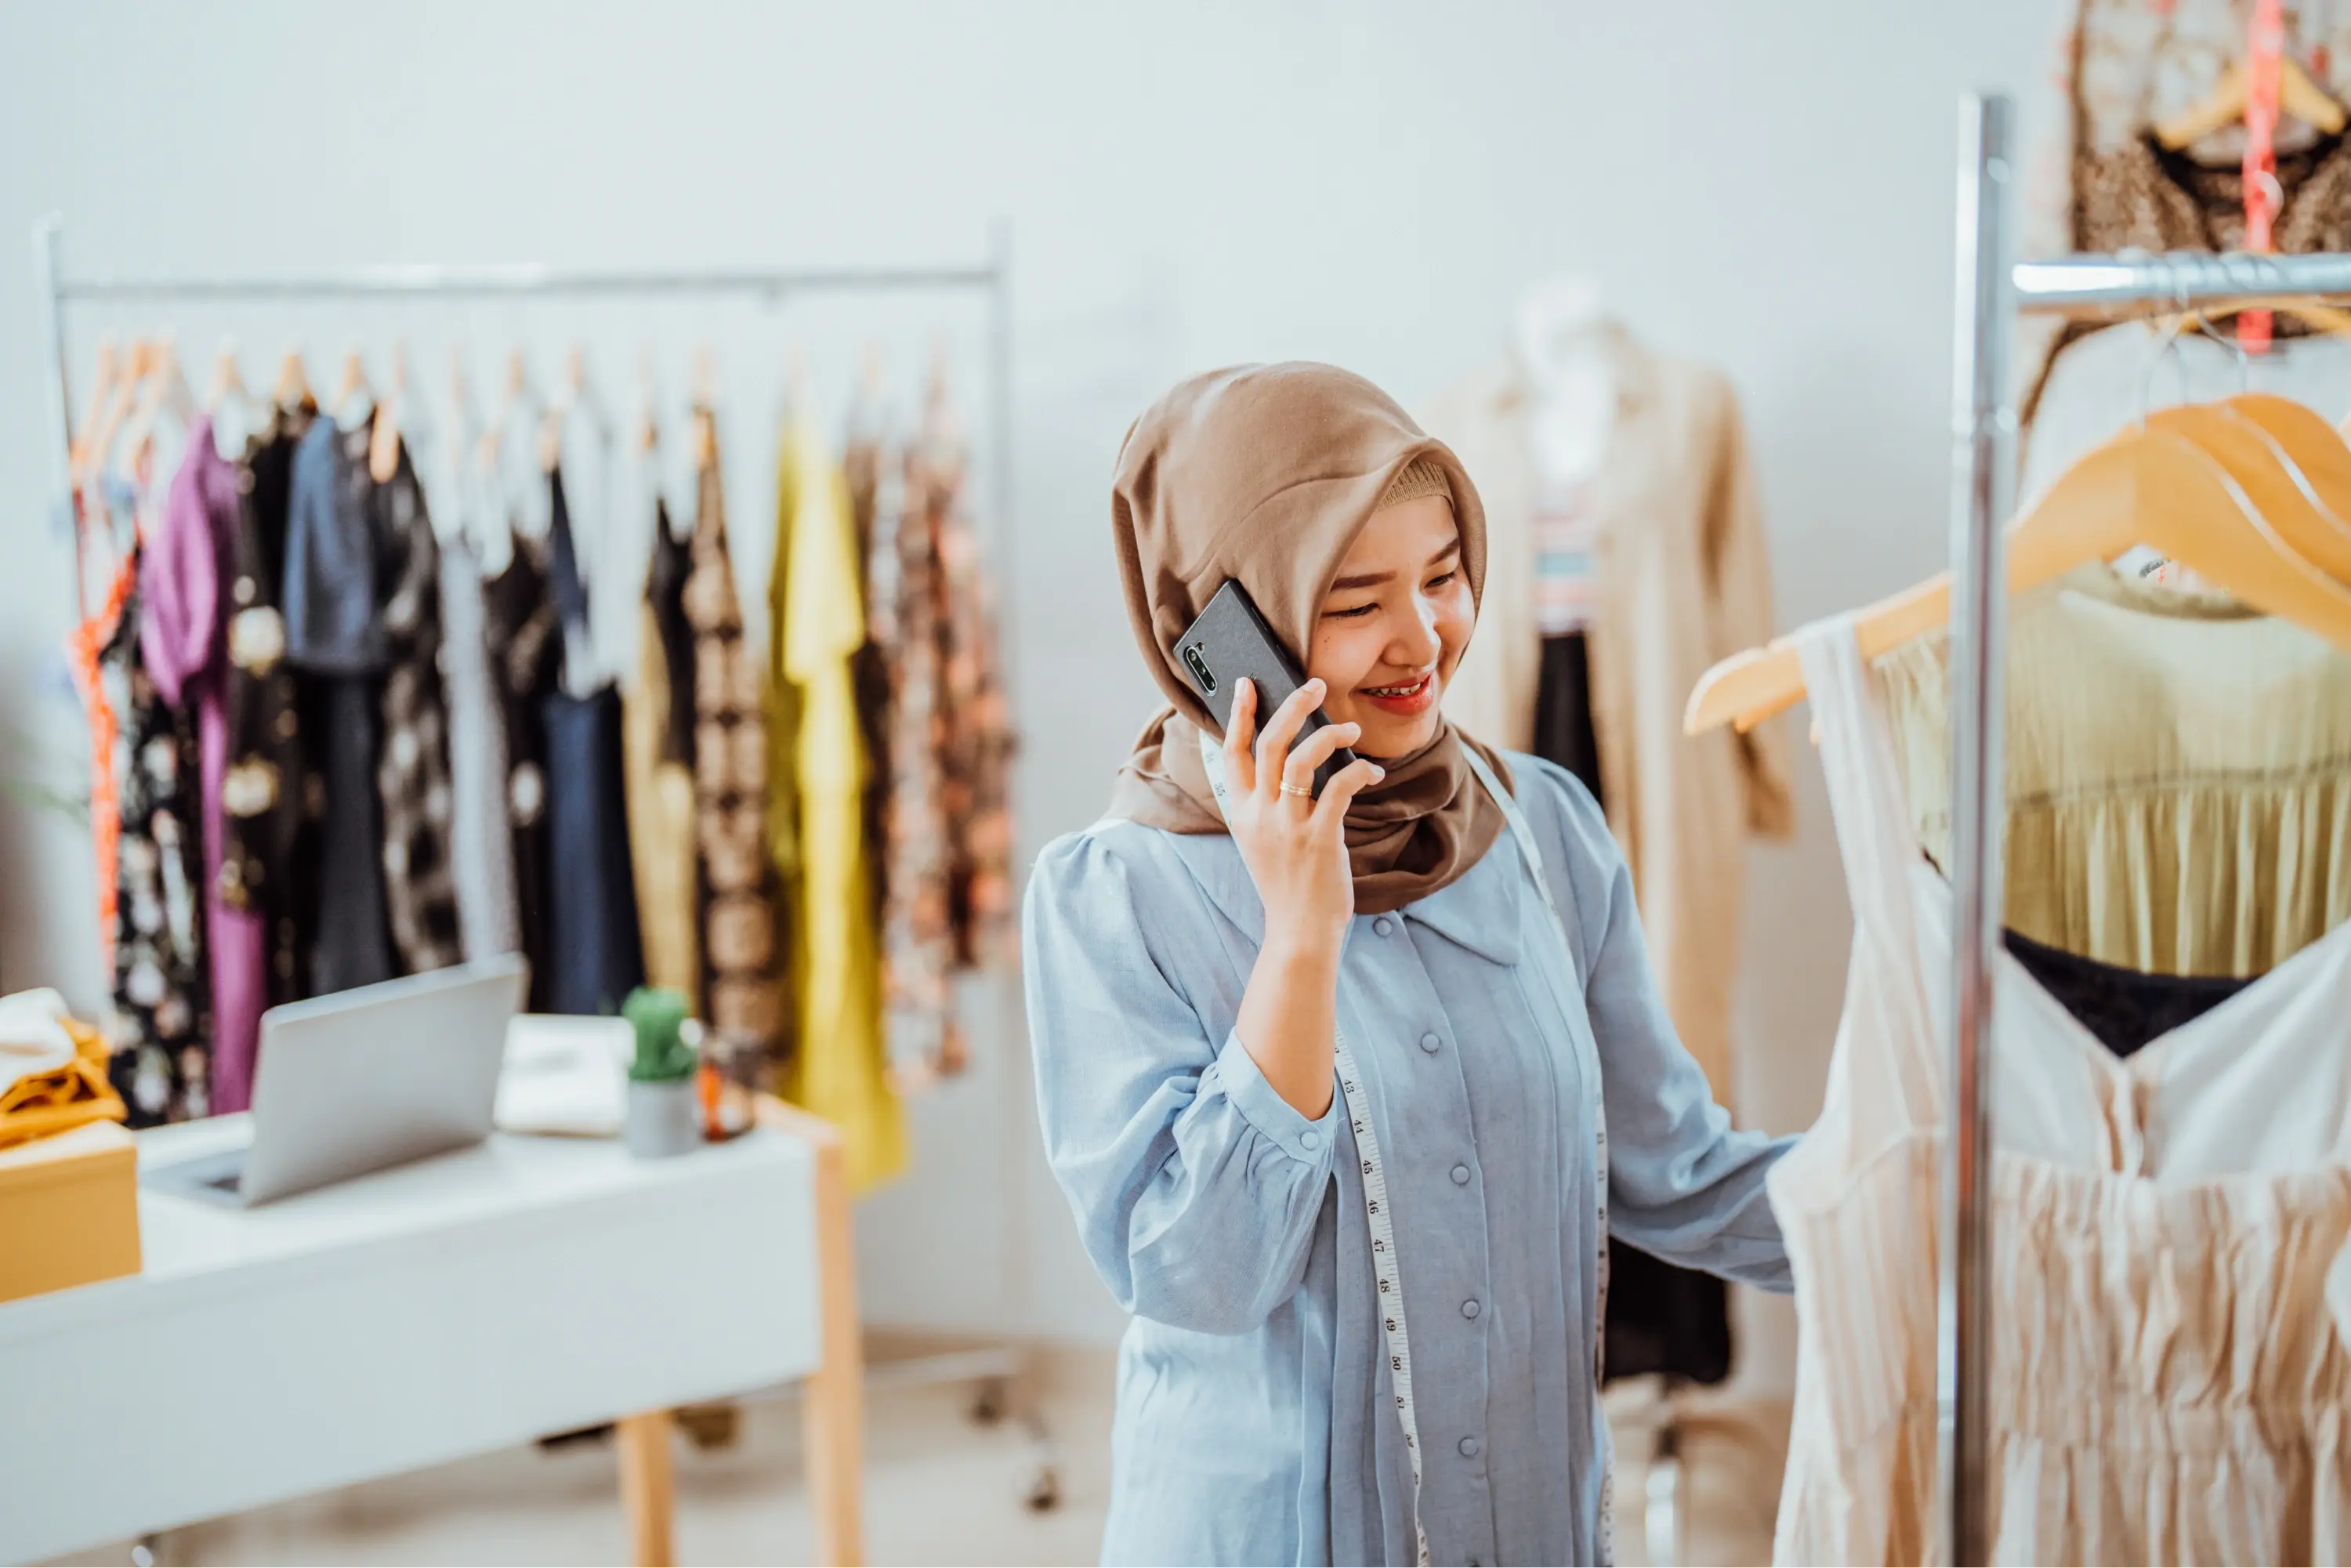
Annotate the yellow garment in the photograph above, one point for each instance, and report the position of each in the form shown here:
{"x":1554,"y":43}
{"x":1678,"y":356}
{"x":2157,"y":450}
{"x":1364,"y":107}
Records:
{"x":661,"y":823}
{"x":2178,"y":774}
{"x":817,"y":763}
{"x":51,"y":1096}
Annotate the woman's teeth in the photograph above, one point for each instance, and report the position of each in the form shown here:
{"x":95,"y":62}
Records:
{"x":1405,"y":690}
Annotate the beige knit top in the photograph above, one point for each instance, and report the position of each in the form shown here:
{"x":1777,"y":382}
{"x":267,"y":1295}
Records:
{"x":2178,"y":774}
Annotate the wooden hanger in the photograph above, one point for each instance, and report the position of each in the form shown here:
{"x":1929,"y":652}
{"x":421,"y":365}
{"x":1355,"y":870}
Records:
{"x":571,"y":396}
{"x":706,"y":399}
{"x":796,"y":400}
{"x":108,"y":423}
{"x":2276,"y":488}
{"x":229,"y":404}
{"x":165,"y":388}
{"x":349,"y":389}
{"x":2225,"y":105}
{"x":383,"y":440}
{"x":648,"y":393}
{"x":2153,"y":487}
{"x":2315,"y":451}
{"x":292,"y":391}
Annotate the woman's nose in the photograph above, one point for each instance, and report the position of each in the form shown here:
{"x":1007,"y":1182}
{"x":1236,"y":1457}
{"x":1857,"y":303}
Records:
{"x":1417,"y":642}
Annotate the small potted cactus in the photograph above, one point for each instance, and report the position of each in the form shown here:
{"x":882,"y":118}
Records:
{"x":664,"y":1117}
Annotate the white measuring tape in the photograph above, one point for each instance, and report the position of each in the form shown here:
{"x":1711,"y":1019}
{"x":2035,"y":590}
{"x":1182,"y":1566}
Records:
{"x":1387,"y":1271}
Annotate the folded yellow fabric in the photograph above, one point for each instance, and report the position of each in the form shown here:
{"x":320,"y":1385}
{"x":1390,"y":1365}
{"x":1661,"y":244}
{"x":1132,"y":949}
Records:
{"x":60,"y":1097}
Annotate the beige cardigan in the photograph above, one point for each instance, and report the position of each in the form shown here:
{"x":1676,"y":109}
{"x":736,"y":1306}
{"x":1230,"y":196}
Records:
{"x":1684,"y":581}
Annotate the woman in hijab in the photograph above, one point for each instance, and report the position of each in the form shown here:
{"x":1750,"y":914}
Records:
{"x":1347,"y":1091}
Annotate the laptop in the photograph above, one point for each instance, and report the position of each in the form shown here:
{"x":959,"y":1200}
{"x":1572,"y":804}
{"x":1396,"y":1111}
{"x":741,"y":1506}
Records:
{"x":364,"y":1080}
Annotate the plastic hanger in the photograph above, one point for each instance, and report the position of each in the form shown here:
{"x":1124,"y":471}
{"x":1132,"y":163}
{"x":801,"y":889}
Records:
{"x":2225,"y":105}
{"x":2151,"y":487}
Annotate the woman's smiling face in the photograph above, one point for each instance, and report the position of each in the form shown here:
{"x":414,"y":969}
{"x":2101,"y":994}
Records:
{"x":1391,"y":630}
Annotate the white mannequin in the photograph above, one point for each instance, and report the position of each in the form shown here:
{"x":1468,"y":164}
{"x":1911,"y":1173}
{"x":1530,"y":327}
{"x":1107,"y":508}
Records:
{"x":1567,"y":350}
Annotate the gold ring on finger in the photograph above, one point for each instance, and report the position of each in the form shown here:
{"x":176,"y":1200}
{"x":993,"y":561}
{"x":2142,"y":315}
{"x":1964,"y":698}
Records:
{"x":1290,"y":789}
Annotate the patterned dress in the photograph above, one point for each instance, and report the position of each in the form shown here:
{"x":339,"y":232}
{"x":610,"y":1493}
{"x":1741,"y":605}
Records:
{"x":742,"y":1002}
{"x":950,"y":902}
{"x":161,"y":1028}
{"x":261,"y":795}
{"x":525,"y":651}
{"x":413,"y":770}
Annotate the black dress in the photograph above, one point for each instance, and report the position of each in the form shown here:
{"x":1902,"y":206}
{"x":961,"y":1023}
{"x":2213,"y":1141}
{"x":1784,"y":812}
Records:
{"x":596,"y":951}
{"x":162,"y":1033}
{"x":526,"y":648}
{"x":2126,"y":1008}
{"x":1661,"y":1318}
{"x":335,"y":638}
{"x":263,"y":869}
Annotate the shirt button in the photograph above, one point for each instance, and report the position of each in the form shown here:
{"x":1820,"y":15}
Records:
{"x":1310,"y":1139}
{"x":1429,"y":1043}
{"x":1469,"y":1448}
{"x":1469,"y":1309}
{"x":1383,"y":926}
{"x":1460,"y":1176}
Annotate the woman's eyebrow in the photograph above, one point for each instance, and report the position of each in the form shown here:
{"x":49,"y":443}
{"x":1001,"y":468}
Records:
{"x":1373,"y":579}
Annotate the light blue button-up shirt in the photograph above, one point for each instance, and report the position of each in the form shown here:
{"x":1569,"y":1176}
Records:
{"x":1256,"y":1421}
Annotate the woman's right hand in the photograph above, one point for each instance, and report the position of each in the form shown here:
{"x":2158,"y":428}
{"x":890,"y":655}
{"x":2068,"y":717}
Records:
{"x":1295,"y":845}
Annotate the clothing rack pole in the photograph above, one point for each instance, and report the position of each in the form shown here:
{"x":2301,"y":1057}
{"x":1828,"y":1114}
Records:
{"x":1981,"y":421}
{"x":437,"y":280}
{"x":994,"y":1365}
{"x":1991,"y":293}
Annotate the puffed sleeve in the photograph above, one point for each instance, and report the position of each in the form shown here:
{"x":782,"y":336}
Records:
{"x":1682,"y":1182}
{"x":1195,"y":1185}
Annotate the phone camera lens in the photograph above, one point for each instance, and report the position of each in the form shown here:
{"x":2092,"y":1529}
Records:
{"x":1200,"y":672}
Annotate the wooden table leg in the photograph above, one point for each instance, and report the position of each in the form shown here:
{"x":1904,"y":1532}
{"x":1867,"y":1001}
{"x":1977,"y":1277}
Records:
{"x":833,"y":1418}
{"x":647,"y":1494}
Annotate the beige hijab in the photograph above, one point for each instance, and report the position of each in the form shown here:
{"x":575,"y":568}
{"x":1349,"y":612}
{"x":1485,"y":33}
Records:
{"x":1267,"y":473}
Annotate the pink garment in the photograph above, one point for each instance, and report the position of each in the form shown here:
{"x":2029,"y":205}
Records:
{"x":183,"y":642}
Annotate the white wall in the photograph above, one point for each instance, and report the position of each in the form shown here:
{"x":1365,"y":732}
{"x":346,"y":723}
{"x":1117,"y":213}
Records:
{"x":1369,"y":183}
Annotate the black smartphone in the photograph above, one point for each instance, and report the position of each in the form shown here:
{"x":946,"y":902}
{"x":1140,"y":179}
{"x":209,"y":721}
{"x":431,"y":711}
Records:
{"x":1229,"y":644}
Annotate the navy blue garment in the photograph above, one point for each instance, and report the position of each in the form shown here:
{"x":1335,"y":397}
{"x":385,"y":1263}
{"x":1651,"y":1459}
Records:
{"x":335,"y":643}
{"x":596,"y":954}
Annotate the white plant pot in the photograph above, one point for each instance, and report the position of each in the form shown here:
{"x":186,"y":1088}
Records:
{"x":663,"y":1119}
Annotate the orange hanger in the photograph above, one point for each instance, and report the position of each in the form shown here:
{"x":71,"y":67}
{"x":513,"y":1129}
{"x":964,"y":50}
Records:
{"x":102,"y":389}
{"x":2153,"y":487}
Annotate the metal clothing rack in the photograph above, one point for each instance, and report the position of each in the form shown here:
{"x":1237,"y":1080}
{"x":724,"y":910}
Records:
{"x":999,"y":1371}
{"x":1992,"y":292}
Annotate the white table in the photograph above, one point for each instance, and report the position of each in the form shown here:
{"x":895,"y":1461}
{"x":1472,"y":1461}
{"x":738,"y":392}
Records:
{"x":448,"y":1307}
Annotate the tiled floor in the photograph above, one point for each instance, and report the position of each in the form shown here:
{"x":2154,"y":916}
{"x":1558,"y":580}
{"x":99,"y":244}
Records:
{"x":939,"y":1489}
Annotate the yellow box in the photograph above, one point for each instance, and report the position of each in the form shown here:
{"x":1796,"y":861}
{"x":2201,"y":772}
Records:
{"x":69,"y":1211}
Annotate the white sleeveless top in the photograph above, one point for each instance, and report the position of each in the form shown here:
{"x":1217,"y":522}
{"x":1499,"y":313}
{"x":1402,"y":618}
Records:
{"x":2171,"y":1373}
